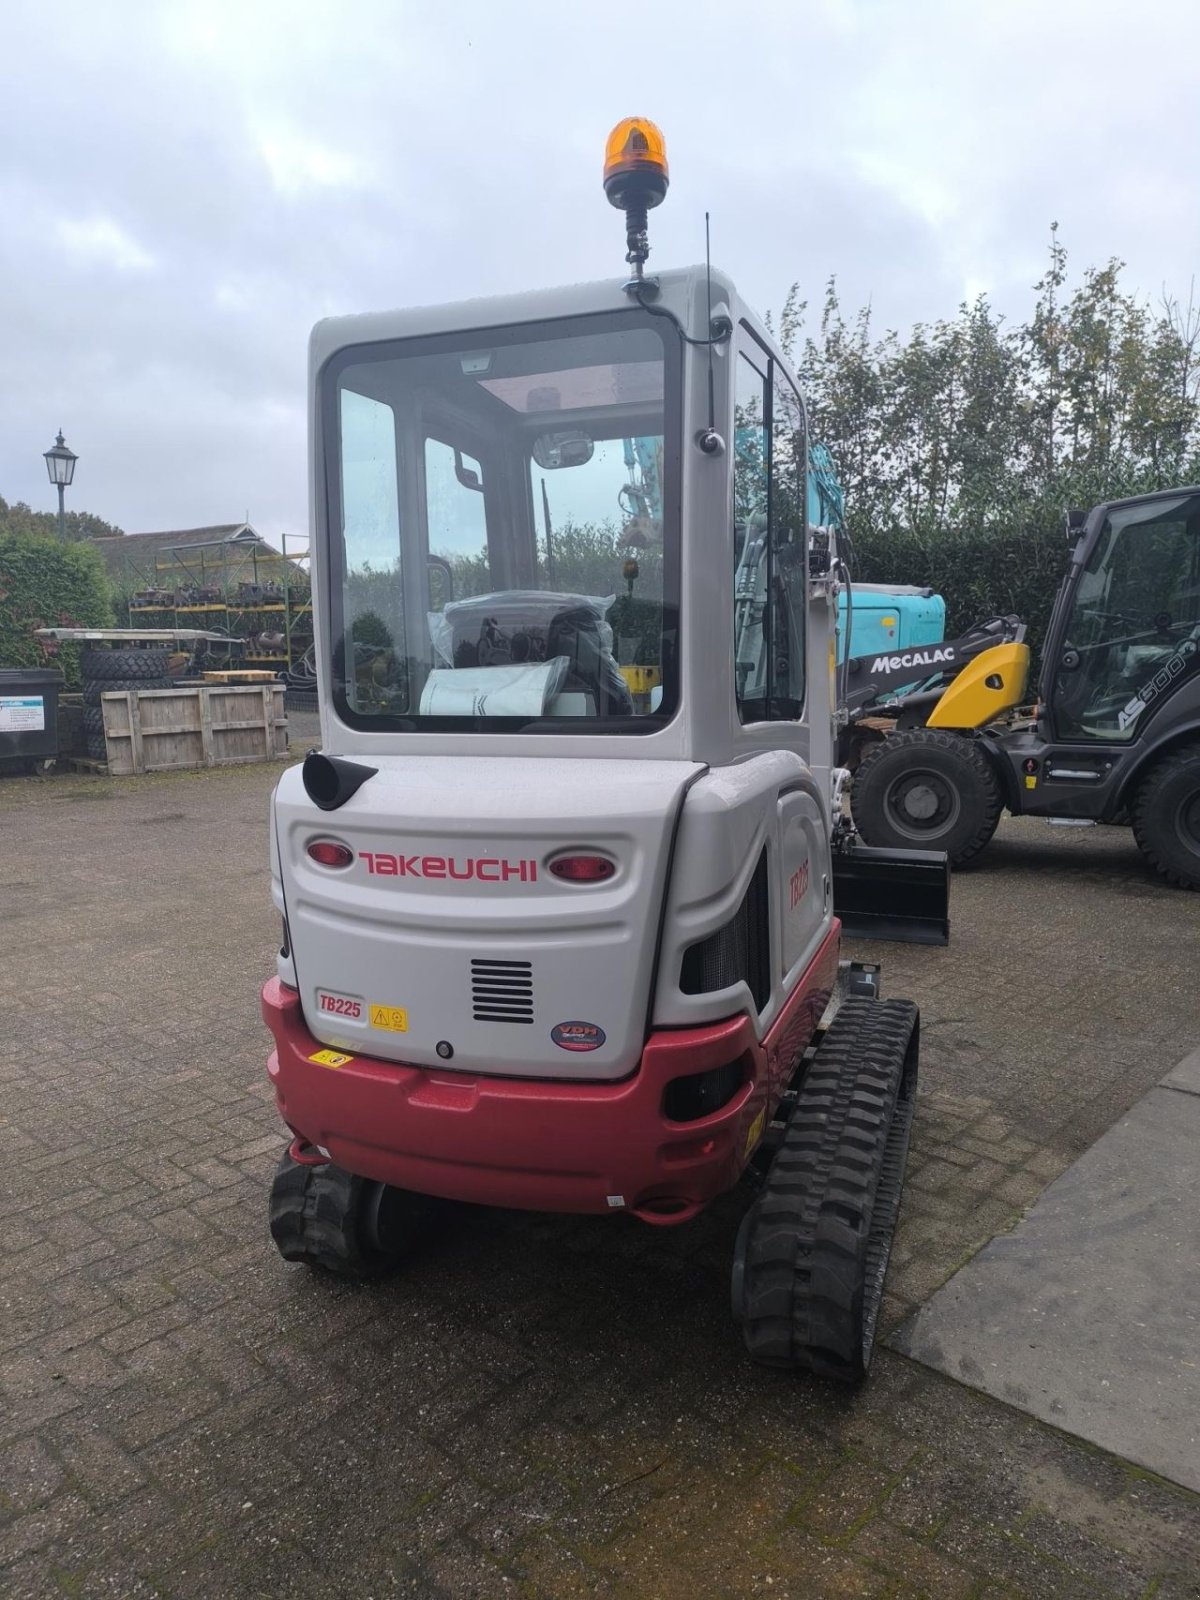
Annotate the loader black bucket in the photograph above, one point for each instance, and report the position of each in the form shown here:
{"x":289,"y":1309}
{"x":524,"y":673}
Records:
{"x":892,"y":894}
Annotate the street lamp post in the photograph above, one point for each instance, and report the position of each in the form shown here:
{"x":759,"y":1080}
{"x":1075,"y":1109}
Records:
{"x":60,"y":464}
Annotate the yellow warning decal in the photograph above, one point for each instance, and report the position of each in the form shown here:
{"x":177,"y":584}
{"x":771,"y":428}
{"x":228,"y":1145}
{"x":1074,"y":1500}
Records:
{"x":329,"y":1058}
{"x":756,"y":1129}
{"x":393,"y":1018}
{"x":1030,"y":782}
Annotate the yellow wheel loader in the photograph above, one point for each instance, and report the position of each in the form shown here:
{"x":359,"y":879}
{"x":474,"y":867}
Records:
{"x":1115,"y":736}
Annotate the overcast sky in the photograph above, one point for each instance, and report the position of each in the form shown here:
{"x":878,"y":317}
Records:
{"x":186,"y":186}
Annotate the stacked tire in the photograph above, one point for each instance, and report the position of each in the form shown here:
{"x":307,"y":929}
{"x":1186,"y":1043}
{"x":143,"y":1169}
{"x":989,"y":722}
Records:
{"x":138,"y":667}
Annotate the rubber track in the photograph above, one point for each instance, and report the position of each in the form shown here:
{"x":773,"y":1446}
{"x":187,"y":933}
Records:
{"x":1149,"y":839}
{"x":314,"y":1219}
{"x":820,"y":1233}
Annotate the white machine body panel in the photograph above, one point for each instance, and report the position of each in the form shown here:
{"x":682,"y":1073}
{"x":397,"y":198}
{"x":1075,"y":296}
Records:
{"x":448,"y":928}
{"x":804,"y":874}
{"x":731,"y":816}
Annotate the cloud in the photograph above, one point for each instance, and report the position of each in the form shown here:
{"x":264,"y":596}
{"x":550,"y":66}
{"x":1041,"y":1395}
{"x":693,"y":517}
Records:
{"x":186,"y":188}
{"x":102,"y":241}
{"x":297,"y":164}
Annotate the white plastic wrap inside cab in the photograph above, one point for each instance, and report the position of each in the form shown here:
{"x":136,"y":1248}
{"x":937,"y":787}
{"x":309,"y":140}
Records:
{"x":514,"y":691}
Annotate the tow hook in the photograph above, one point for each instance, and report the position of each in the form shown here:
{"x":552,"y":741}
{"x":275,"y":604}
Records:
{"x":308,"y":1155}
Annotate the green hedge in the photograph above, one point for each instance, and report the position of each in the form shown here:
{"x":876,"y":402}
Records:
{"x":44,"y":584}
{"x":1010,"y":568}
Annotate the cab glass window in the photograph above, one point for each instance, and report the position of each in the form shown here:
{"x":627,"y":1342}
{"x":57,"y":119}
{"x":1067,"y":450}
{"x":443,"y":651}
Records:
{"x":504,"y":550}
{"x":1133,"y":632}
{"x":770,"y":583}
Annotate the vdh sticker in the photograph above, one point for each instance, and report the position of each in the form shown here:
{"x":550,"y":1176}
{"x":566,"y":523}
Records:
{"x":578,"y":1036}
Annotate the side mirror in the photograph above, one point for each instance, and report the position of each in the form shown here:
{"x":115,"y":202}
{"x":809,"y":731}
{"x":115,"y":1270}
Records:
{"x":567,"y":449}
{"x":1076,"y":522}
{"x":467,"y":476}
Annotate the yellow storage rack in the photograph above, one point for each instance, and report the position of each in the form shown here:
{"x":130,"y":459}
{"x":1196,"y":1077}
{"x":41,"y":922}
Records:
{"x":232,"y":588}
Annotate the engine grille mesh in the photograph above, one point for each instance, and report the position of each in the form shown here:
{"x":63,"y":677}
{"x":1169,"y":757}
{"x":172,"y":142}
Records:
{"x":502,"y":991}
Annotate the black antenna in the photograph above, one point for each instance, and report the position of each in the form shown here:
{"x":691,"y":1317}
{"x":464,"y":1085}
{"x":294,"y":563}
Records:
{"x":712,"y":403}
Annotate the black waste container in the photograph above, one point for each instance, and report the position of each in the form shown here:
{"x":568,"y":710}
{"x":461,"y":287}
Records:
{"x":28,"y":715}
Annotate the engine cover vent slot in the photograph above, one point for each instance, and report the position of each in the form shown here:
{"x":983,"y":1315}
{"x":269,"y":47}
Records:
{"x":738,"y":952}
{"x":502,"y":991}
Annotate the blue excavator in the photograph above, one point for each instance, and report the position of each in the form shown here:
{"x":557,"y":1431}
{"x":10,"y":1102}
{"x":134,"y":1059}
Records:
{"x":896,"y":663}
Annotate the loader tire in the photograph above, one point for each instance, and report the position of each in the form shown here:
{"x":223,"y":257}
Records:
{"x":813,"y":1248}
{"x":93,"y":721}
{"x":1166,"y":817}
{"x":336,"y":1222}
{"x":927,"y":790}
{"x":137,"y":663}
{"x":93,"y":688}
{"x":97,"y":747}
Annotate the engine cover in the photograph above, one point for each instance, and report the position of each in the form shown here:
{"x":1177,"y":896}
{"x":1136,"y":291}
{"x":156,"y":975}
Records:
{"x":448,"y":942}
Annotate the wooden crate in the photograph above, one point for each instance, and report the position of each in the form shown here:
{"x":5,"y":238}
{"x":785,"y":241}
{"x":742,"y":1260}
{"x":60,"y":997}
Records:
{"x":241,"y":675}
{"x":195,"y":725}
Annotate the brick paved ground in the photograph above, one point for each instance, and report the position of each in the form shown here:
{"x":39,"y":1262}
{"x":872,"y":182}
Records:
{"x":538,"y":1407}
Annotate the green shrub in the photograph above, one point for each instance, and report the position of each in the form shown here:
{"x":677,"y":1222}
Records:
{"x":44,"y":584}
{"x":370,"y":629}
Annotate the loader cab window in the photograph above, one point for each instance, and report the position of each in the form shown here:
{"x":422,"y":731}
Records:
{"x":1133,"y":632}
{"x":770,"y":531}
{"x":521,"y":571}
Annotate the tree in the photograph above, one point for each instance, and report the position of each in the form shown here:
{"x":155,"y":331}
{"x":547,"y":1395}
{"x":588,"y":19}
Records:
{"x":960,"y":446}
{"x":369,"y":629}
{"x":78,"y":525}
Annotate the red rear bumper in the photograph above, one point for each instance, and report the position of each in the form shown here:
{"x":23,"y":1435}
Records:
{"x":540,"y":1145}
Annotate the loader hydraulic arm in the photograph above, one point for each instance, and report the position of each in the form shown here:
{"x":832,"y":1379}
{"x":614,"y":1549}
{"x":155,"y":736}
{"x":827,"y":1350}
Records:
{"x":873,"y":679}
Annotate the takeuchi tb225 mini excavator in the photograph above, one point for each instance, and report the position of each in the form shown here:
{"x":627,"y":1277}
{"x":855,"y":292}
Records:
{"x":1116,"y":733}
{"x":557,"y":891}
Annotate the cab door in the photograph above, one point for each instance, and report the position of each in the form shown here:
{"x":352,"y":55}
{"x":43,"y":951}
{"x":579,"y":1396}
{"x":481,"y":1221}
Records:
{"x":770,"y":607}
{"x":1132,"y":632}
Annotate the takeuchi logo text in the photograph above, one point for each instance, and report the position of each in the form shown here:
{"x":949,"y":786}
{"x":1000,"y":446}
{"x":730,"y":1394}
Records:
{"x":481,"y":869}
